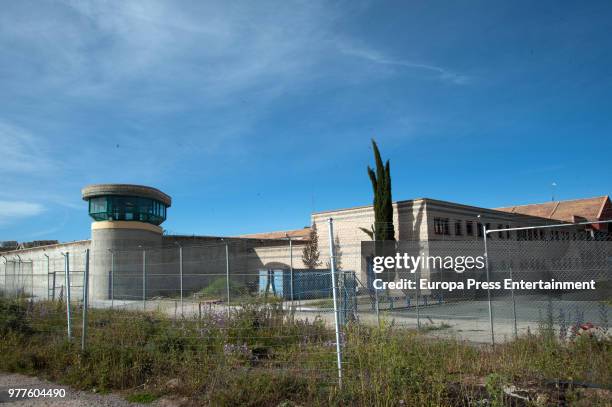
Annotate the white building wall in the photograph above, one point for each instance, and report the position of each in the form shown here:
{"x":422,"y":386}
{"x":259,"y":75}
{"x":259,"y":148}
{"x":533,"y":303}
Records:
{"x":33,"y":265}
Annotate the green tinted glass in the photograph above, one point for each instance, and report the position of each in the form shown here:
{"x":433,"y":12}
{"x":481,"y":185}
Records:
{"x":127,"y":208}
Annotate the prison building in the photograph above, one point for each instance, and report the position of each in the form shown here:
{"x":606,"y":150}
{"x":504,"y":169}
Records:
{"x":429,"y":223}
{"x":131,"y":257}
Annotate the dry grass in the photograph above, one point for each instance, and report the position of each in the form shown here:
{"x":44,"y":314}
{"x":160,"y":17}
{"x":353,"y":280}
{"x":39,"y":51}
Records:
{"x":261,"y":356}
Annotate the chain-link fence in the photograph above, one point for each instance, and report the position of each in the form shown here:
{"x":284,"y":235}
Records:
{"x":437,"y":284}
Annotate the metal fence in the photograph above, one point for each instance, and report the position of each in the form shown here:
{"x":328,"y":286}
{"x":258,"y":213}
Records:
{"x":564,"y":253}
{"x":196,"y":282}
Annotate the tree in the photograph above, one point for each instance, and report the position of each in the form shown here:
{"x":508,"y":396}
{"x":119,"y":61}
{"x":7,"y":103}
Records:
{"x":338,"y":255}
{"x":310,"y":253}
{"x":369,"y":232}
{"x":383,"y":204}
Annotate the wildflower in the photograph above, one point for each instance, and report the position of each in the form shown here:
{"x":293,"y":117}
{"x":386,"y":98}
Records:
{"x":237,"y":350}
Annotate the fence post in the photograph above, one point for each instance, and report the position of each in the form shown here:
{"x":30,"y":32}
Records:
{"x":32,"y":280}
{"x":181,"y":277}
{"x":67,"y":283}
{"x":20,"y":274}
{"x":376,"y":303}
{"x":486,"y":253}
{"x":291,"y":266}
{"x":418,"y":299}
{"x":144,"y":280}
{"x":5,"y":270}
{"x":227,"y":277}
{"x":513,"y":305}
{"x":112,"y":278}
{"x":377,"y":306}
{"x":48,"y":275}
{"x":85,"y":300}
{"x":332,"y":263}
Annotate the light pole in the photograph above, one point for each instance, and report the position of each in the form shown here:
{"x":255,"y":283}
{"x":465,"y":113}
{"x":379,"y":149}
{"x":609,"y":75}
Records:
{"x":486,"y":255}
{"x":332,"y":263}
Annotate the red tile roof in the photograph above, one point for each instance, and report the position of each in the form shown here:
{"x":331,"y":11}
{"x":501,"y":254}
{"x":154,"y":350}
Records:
{"x":298,"y":234}
{"x":576,"y":210}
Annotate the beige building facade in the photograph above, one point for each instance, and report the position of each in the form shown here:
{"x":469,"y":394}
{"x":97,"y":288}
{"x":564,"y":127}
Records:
{"x":423,"y":223}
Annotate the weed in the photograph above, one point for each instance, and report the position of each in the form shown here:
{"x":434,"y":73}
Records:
{"x":494,"y":386}
{"x":260,"y":355}
{"x":143,"y":398}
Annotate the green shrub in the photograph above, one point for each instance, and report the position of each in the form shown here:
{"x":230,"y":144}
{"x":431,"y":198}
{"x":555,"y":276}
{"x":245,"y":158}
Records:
{"x":261,"y":355}
{"x":13,"y":317}
{"x":143,"y":398}
{"x":217,"y":289}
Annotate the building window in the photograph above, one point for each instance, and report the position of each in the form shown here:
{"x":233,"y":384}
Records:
{"x":469,"y":228}
{"x":441,"y":226}
{"x":507,"y":232}
{"x":500,"y":233}
{"x":479,"y":229}
{"x":128,"y":208}
{"x":458,"y":228}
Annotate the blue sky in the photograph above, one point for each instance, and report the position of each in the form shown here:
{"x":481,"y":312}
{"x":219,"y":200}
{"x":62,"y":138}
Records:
{"x":253,"y":114}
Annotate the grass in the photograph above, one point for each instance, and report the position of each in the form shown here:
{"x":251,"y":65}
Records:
{"x":143,"y":398}
{"x":261,"y":356}
{"x":217,"y":289}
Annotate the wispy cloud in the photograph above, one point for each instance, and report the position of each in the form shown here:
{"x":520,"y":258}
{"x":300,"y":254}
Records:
{"x":140,"y":91}
{"x":379,"y":58}
{"x":11,"y":211}
{"x":22,"y":152}
{"x":209,"y":49}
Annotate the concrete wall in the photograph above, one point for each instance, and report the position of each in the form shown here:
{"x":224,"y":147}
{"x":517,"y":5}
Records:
{"x":125,"y":240}
{"x":36,"y":266}
{"x":409,"y":218}
{"x":204,"y":261}
{"x":413,"y":221}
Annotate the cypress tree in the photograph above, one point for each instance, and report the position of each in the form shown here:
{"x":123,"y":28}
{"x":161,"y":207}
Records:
{"x":383,"y":203}
{"x":310,"y":253}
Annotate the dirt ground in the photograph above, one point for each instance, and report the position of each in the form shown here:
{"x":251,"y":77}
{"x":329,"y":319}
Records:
{"x":73,"y":398}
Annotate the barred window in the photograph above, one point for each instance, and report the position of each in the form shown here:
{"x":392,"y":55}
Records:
{"x":441,"y":226}
{"x":469,"y":228}
{"x":458,"y":228}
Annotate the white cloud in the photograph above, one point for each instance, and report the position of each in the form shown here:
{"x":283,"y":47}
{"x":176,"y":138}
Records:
{"x":209,"y":49}
{"x":21,"y":151}
{"x":14,"y":210}
{"x":128,"y":91}
{"x":378,"y":58}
